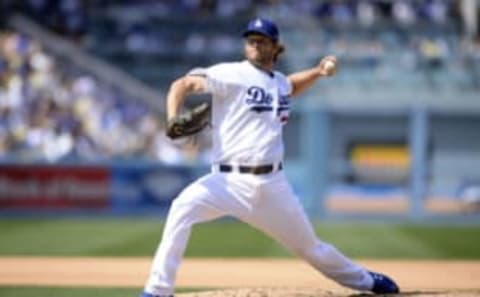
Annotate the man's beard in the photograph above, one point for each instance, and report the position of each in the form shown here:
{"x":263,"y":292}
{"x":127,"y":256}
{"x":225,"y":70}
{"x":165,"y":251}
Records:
{"x":261,"y":60}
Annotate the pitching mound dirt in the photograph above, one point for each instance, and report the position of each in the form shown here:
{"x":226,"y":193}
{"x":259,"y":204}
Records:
{"x":309,"y":292}
{"x":240,"y":277}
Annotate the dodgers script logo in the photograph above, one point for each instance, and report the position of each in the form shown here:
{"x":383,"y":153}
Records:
{"x":260,"y":100}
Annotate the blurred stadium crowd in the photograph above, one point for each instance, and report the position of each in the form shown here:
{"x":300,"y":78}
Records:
{"x":51,"y":111}
{"x":380,"y":43}
{"x":71,"y":16}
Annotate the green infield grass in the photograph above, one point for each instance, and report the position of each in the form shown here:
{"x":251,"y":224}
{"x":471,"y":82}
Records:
{"x":139,"y":237}
{"x":13,"y":291}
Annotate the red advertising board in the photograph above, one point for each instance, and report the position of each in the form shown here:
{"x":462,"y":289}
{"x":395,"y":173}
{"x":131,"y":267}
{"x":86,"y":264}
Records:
{"x":30,"y":186}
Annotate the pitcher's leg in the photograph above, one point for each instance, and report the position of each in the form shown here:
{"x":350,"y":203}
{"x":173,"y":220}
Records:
{"x":191,"y":207}
{"x":280,"y":215}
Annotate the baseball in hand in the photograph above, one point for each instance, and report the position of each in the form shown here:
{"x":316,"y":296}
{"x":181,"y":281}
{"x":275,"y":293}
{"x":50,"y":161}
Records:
{"x":329,"y":66}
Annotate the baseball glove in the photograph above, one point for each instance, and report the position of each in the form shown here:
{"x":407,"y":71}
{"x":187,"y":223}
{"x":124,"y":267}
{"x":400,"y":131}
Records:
{"x":190,"y":122}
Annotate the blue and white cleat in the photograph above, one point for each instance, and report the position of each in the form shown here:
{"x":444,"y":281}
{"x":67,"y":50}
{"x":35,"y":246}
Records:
{"x":382,"y":284}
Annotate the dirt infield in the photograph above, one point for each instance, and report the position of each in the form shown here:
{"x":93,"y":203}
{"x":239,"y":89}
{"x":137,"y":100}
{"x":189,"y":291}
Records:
{"x":240,"y":277}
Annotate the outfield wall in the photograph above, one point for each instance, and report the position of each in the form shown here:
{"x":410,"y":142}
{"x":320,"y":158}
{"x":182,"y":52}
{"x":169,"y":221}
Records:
{"x":113,"y":188}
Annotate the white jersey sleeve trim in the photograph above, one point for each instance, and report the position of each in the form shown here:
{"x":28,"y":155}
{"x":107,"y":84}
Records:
{"x":198,"y":71}
{"x":211,"y":84}
{"x":215,"y":78}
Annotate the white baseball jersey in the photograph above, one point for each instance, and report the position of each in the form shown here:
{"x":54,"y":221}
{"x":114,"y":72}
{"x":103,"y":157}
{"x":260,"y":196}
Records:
{"x":249,"y":108}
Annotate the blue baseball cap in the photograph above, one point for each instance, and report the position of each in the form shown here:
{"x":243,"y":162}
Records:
{"x":262,"y":26}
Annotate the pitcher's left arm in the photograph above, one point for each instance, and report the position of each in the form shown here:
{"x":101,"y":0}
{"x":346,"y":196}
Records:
{"x":303,"y":80}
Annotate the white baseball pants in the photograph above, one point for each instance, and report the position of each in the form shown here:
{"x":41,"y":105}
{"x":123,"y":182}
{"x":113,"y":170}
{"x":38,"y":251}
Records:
{"x":267,"y":203}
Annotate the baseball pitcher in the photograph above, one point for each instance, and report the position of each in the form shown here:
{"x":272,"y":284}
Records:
{"x":250,"y":105}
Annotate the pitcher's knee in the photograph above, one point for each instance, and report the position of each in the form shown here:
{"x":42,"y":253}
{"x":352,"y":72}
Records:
{"x":178,"y":206}
{"x":180,"y":211}
{"x":190,"y":211}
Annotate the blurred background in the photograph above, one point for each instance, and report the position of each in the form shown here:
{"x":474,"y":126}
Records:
{"x":395,"y":134}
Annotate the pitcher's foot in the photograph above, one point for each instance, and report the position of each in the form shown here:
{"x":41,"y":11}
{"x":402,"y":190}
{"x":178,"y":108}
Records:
{"x":382,"y":284}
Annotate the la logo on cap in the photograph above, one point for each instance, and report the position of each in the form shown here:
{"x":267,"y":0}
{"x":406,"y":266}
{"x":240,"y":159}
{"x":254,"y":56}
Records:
{"x":258,"y":23}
